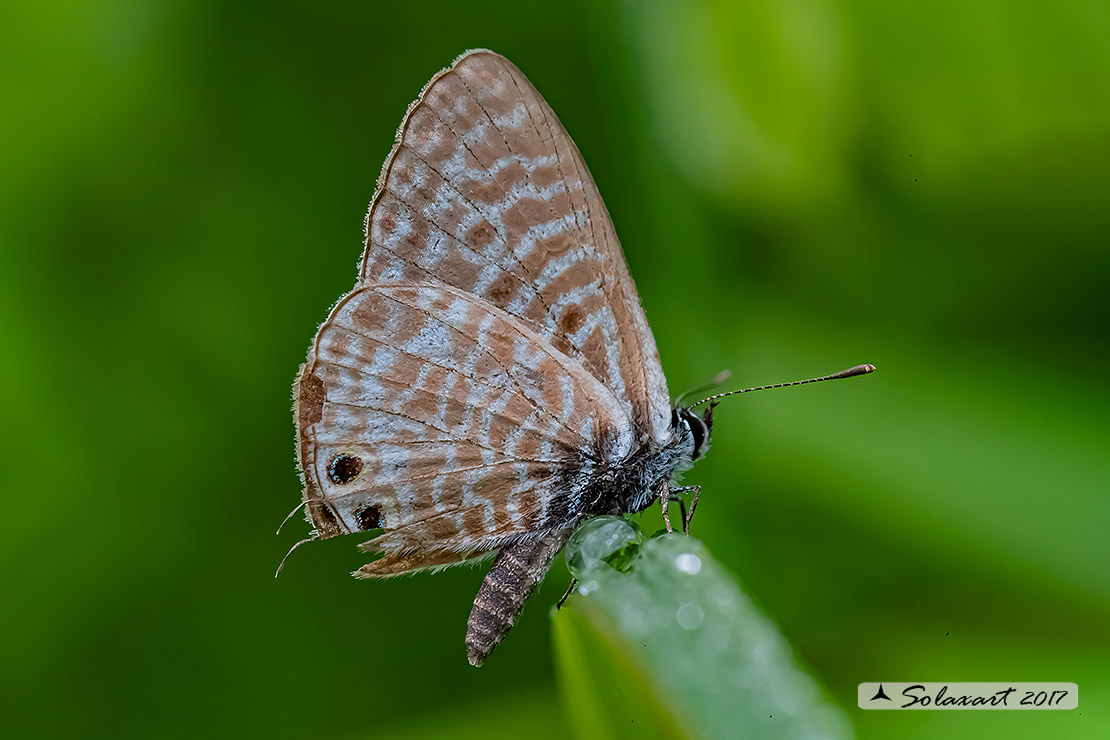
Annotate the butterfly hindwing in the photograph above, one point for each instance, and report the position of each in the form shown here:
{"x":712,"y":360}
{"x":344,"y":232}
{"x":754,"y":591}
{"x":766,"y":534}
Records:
{"x":448,"y":423}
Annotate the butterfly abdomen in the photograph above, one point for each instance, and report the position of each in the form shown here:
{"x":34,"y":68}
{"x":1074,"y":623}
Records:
{"x":516,"y":572}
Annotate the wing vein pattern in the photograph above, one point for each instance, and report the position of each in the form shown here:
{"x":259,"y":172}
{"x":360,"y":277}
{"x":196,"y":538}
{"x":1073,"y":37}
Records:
{"x":493,"y":355}
{"x":519,"y":442}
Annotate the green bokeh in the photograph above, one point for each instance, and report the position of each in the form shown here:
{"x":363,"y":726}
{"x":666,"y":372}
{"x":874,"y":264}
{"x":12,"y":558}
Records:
{"x":799,"y":186}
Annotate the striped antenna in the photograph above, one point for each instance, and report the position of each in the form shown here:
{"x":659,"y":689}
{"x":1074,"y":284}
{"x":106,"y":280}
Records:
{"x":849,"y":373}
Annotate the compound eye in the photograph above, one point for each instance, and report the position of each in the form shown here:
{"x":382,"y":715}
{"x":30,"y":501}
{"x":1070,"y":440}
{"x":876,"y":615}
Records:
{"x":697,"y":429}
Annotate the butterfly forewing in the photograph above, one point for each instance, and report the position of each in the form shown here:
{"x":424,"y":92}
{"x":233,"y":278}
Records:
{"x":486,"y":192}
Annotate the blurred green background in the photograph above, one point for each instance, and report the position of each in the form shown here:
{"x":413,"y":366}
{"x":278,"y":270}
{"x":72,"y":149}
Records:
{"x":799,"y":186}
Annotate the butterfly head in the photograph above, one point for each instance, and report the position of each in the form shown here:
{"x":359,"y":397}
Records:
{"x":692,"y":430}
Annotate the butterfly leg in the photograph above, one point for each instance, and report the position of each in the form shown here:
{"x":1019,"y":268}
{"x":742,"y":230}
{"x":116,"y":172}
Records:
{"x":665,"y":503}
{"x":688,"y":516}
{"x":693,"y":505}
{"x":516,"y":572}
{"x":570,"y":590}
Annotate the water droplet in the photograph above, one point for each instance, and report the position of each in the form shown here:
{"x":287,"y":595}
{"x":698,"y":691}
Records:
{"x":603,"y":542}
{"x":689,"y":616}
{"x":688,"y":562}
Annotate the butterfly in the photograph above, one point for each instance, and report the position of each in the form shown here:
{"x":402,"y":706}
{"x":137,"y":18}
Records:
{"x":491,"y":381}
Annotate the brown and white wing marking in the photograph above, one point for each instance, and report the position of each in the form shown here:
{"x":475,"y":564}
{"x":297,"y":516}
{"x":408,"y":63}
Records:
{"x":485,"y":191}
{"x":424,"y":411}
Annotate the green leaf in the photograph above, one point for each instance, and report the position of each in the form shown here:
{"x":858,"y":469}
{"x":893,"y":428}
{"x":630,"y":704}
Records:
{"x":605,"y":693}
{"x":673,"y":648}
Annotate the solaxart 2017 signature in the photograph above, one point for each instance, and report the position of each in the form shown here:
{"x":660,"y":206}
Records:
{"x":917,"y":694}
{"x":968,"y":695}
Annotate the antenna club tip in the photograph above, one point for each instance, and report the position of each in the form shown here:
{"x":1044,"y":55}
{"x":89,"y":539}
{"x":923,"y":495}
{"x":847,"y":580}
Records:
{"x":849,"y":373}
{"x":854,"y":371}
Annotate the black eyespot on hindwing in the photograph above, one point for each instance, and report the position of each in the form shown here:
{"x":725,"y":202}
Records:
{"x":322,"y":510}
{"x":369,"y":517}
{"x":343,"y":468}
